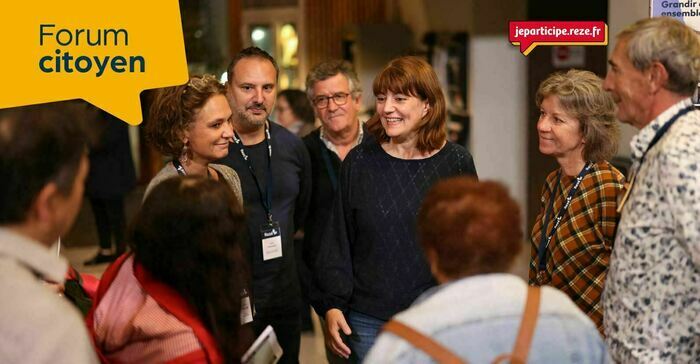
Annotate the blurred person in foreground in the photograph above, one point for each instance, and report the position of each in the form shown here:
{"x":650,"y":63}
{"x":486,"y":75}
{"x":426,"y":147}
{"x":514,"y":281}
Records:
{"x":573,"y":234}
{"x":43,"y":158}
{"x":651,"y":301}
{"x":471,"y":234}
{"x":369,"y":265}
{"x":293,"y":111}
{"x":176,"y":297}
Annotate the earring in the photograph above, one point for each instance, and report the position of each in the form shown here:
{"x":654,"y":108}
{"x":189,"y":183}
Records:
{"x":184,"y":156}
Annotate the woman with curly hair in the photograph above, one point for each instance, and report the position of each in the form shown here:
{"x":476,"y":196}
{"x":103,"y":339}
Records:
{"x":191,"y":124}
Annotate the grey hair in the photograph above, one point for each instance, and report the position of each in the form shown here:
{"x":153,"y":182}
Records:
{"x":328,"y":69}
{"x":670,"y":42}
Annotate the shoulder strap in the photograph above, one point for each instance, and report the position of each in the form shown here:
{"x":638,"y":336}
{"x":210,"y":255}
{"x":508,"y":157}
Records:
{"x":435,"y":350}
{"x":523,"y":341}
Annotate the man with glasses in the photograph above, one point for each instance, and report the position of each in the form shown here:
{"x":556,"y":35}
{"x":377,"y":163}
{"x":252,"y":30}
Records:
{"x":275,"y":172}
{"x":334,"y":91}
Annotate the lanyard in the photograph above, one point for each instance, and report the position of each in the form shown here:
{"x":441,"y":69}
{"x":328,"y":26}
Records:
{"x":178,"y":166}
{"x":329,"y":167}
{"x":266,"y":198}
{"x":659,"y":134}
{"x":181,"y":170}
{"x":544,"y":240}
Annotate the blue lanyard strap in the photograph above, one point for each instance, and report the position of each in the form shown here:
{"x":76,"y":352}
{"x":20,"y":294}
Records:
{"x":545,"y":239}
{"x":181,"y":170}
{"x":662,"y":131}
{"x":266,"y":198}
{"x":629,"y":185}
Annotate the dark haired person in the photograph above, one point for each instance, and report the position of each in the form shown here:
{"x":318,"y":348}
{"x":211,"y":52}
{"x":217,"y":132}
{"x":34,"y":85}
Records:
{"x":275,"y":171}
{"x":191,"y":124}
{"x":471,"y":234}
{"x":109,"y":180}
{"x":293,"y":111}
{"x":43,"y":158}
{"x":176,"y":298}
{"x":369,"y":264}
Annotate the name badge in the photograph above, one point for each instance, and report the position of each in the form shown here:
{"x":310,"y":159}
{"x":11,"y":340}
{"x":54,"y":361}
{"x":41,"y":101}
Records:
{"x":246,"y":308}
{"x":271,"y":241}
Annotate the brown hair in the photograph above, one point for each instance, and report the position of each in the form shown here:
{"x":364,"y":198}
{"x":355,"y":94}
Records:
{"x":328,"y":69}
{"x":188,"y":235}
{"x":413,"y":76}
{"x":174,"y":108}
{"x":472,"y":227}
{"x":582,"y":96}
{"x":39,"y":144}
{"x":250,"y":52}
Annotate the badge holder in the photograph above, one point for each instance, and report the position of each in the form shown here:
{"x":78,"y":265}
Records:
{"x":271,"y":240}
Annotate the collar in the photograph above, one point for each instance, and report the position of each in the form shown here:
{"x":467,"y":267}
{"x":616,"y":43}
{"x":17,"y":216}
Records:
{"x":641,"y":141}
{"x":476,"y":285}
{"x":331,"y":146}
{"x":34,"y":256}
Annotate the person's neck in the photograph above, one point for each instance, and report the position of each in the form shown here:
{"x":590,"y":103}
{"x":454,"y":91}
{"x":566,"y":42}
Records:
{"x":663,"y":100}
{"x":32,"y":232}
{"x":345,"y":137}
{"x":571,"y":166}
{"x":406,"y":148}
{"x":249,"y":134}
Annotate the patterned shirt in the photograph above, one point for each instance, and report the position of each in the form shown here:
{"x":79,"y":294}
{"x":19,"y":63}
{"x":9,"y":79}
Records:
{"x":652,"y":296}
{"x":578,"y":254}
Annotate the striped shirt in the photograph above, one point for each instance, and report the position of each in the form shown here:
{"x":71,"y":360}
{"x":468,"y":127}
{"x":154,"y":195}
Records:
{"x":578,"y":254}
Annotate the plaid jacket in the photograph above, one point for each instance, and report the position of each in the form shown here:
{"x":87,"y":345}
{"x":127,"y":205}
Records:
{"x":579,"y":252}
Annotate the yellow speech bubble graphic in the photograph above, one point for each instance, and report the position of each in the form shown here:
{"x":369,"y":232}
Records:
{"x":105,"y":52}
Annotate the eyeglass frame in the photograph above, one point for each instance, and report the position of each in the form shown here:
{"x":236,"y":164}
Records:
{"x":326,"y":99}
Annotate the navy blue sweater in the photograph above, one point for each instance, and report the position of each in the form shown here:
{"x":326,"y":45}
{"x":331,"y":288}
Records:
{"x":370,"y":260}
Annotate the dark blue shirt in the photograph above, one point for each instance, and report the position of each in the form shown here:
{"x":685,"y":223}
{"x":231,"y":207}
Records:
{"x":276,"y":287}
{"x":370,"y":260}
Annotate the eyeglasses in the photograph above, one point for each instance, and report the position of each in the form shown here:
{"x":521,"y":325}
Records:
{"x":340,"y":99}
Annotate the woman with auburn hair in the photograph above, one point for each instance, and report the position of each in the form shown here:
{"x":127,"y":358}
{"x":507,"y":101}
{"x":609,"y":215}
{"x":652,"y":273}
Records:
{"x":471,"y":233}
{"x":191,"y":125}
{"x":370,"y":265}
{"x":175,"y":297}
{"x":574,"y":232}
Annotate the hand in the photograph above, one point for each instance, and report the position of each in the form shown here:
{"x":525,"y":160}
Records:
{"x":335,"y":321}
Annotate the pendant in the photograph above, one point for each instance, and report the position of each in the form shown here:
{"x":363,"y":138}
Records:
{"x":541,"y":278}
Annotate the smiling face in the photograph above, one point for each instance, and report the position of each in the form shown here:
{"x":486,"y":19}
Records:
{"x":629,"y":87}
{"x":251,"y":91}
{"x":336,"y":118}
{"x":209,"y":133}
{"x":400,"y":114}
{"x":559,"y":133}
